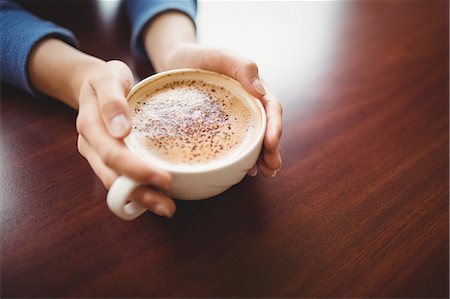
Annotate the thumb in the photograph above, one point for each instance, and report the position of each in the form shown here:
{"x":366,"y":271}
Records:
{"x":238,"y":67}
{"x":111,"y":87}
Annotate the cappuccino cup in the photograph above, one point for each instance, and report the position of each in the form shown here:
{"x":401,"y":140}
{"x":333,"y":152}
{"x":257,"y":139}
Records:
{"x":200,"y":126}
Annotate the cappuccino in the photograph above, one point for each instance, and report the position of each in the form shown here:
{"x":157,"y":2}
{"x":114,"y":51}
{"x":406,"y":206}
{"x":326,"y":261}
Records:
{"x":189,"y":122}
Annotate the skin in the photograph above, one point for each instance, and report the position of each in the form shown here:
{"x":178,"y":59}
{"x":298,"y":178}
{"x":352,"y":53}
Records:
{"x":98,"y":90}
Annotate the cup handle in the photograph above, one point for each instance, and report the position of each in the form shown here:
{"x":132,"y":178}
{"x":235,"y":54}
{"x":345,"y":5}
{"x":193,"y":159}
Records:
{"x":117,"y":199}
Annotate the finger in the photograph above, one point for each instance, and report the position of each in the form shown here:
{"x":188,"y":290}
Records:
{"x":253,"y":171}
{"x":114,"y":153}
{"x":105,"y":174}
{"x":151,"y":199}
{"x":236,"y":66}
{"x":274,"y":123}
{"x":111,"y":89}
{"x":155,"y":201}
{"x":272,"y":159}
{"x":264,"y":169}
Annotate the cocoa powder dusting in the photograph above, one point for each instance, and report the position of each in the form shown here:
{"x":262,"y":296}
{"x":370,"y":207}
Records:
{"x":191,"y":122}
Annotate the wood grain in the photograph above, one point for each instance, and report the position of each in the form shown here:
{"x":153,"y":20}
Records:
{"x":360,"y":208}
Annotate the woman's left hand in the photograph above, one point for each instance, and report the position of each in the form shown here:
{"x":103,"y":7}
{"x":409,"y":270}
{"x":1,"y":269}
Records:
{"x":246,"y":72}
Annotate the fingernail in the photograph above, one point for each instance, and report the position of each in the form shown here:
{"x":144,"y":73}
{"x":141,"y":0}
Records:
{"x":253,"y":173}
{"x":162,"y":211}
{"x":257,"y":84}
{"x":118,"y":126}
{"x":274,"y":174}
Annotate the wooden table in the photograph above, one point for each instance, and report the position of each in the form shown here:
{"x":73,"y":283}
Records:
{"x":360,"y":208}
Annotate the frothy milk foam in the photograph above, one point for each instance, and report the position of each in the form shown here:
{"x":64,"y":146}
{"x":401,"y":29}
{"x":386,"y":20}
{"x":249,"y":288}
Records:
{"x":190,"y":123}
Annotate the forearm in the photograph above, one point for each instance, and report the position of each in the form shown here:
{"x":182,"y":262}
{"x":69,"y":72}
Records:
{"x":164,"y":34}
{"x":58,"y":70}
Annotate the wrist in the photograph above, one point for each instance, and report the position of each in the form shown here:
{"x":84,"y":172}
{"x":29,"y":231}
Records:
{"x":165,"y":36}
{"x":175,"y":57}
{"x":60,"y":76}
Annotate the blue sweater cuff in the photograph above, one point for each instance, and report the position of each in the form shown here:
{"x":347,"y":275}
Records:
{"x":20,"y":33}
{"x":141,"y":12}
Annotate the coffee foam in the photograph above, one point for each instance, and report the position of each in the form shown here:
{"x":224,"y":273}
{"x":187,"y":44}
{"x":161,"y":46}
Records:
{"x":190,"y":122}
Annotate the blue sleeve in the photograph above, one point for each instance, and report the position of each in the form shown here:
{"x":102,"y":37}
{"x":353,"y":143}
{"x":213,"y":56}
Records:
{"x":20,"y":31}
{"x":141,"y":12}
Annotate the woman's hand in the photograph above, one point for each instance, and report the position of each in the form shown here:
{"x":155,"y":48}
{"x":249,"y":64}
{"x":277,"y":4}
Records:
{"x":98,"y":89}
{"x":170,"y":43}
{"x":192,"y":55}
{"x":102,"y":123}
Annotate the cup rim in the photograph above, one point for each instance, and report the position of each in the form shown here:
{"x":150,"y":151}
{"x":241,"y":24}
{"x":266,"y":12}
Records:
{"x":250,"y":99}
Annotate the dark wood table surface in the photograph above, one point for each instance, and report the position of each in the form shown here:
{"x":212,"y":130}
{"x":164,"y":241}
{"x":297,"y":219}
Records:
{"x":360,"y":208}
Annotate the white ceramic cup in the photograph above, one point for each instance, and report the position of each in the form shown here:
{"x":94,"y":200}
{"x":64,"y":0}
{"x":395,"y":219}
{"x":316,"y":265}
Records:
{"x":197,"y":181}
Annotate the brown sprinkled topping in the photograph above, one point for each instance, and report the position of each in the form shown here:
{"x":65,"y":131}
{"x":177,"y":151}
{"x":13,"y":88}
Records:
{"x":190,"y":122}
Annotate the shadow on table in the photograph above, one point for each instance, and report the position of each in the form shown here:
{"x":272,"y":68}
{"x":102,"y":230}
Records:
{"x":228,"y":241}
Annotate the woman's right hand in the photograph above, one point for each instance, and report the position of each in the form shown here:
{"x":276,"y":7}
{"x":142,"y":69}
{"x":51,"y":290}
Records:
{"x":98,"y":89}
{"x":103,"y":122}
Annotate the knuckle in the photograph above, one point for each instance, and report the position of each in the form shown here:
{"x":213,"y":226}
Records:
{"x":112,"y":70}
{"x":80,"y":123}
{"x":278,"y":107}
{"x":84,"y":123}
{"x":108,"y":156}
{"x":149,"y":199}
{"x":251,"y":67}
{"x":281,"y":108}
{"x":248,"y":69}
{"x":81,"y":146}
{"x":115,"y":63}
{"x":108,"y":180}
{"x":121,"y":70}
